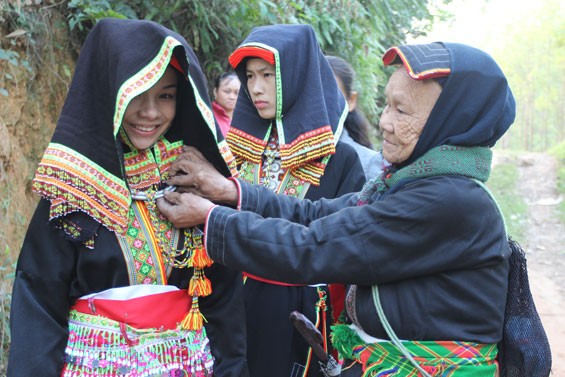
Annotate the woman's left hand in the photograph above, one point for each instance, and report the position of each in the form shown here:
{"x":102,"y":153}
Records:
{"x":184,"y":210}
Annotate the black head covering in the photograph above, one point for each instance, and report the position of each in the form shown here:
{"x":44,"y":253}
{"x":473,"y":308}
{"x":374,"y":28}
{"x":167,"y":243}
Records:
{"x":82,"y":169}
{"x":476,"y":105}
{"x":310,"y":107}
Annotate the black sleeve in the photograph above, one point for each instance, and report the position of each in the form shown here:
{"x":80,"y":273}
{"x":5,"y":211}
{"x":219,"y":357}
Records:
{"x":40,"y":300}
{"x":414,"y":232}
{"x":225,"y":321}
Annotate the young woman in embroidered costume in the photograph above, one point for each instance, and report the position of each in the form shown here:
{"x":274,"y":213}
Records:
{"x":284,"y":133}
{"x":105,"y":285}
{"x":422,"y":247}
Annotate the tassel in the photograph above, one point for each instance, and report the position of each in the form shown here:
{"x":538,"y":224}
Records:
{"x":344,"y":340}
{"x":200,"y":258}
{"x":199,"y":284}
{"x":194,"y":320}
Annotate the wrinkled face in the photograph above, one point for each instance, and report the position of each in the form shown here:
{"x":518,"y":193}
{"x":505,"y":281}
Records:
{"x":226,"y":94}
{"x":150,"y":114}
{"x":262,"y":87}
{"x":408,"y":106}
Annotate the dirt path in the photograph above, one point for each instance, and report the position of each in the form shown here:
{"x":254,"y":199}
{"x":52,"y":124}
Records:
{"x":545,"y":248}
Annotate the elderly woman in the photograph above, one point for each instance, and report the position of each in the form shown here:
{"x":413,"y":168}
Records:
{"x":422,"y":247}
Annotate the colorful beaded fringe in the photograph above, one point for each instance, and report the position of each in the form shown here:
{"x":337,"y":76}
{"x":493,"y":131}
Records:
{"x":101,"y":347}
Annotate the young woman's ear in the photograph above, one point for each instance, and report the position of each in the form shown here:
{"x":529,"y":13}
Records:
{"x":352,"y":101}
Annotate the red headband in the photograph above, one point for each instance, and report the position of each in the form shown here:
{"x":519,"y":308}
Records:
{"x":176,"y":64}
{"x":250,"y":51}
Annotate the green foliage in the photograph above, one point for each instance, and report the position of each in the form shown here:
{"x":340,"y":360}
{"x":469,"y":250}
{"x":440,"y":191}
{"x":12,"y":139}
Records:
{"x":357,"y":30}
{"x":25,"y":27}
{"x":503,"y":184}
{"x":532,"y":53}
{"x":85,"y":13}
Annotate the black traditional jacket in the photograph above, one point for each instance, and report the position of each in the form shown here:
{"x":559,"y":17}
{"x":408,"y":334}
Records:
{"x":436,"y":247}
{"x":79,"y":239}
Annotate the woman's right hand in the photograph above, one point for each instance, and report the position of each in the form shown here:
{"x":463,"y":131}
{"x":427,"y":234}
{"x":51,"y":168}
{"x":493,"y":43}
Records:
{"x":192,"y":173}
{"x":184,"y":210}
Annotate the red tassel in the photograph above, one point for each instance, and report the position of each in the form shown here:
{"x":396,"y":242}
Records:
{"x":194,"y":320}
{"x":200,"y":258}
{"x":199,"y":284}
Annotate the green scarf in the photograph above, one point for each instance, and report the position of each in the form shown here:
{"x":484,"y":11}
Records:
{"x":472,"y":162}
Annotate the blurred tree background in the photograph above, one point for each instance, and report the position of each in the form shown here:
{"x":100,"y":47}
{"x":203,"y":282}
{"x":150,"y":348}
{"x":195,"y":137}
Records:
{"x":357,"y":30}
{"x":527,"y":39}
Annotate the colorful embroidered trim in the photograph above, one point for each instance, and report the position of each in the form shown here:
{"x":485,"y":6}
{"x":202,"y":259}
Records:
{"x":438,"y":358}
{"x":228,"y":156}
{"x":472,"y":162}
{"x":74,"y":183}
{"x":99,"y":346}
{"x":308,"y":147}
{"x":145,"y":169}
{"x":143,"y":80}
{"x":140,"y":250}
{"x":244,"y":146}
{"x":422,"y":62}
{"x":250,"y":149}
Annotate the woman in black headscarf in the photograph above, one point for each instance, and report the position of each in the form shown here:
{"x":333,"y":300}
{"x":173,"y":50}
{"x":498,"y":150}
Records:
{"x":284,"y":133}
{"x":105,"y":286}
{"x":423,"y":247}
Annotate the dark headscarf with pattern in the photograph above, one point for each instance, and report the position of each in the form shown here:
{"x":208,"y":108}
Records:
{"x":82,"y":171}
{"x":473,"y":111}
{"x":476,"y":105}
{"x":310,"y":108}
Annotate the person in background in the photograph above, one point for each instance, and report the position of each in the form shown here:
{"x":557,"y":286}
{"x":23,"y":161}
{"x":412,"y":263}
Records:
{"x":226,"y":89}
{"x":284,"y":133}
{"x":423,"y":247}
{"x":356,"y":131}
{"x":104,"y":284}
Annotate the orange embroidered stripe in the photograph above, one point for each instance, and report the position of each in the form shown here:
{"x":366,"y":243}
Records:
{"x":310,"y":178}
{"x":88,"y":190}
{"x":144,"y":214}
{"x":72,"y":182}
{"x":307,"y":157}
{"x":228,"y":157}
{"x":435,"y":72}
{"x":74,"y":199}
{"x":243,"y":144}
{"x":237,"y":133}
{"x":66,"y":163}
{"x":78,"y":195}
{"x":306,"y":143}
{"x":311,"y":138}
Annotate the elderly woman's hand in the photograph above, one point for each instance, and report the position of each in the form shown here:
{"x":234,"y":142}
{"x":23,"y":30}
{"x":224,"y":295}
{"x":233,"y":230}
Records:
{"x":192,"y":173}
{"x":184,"y":210}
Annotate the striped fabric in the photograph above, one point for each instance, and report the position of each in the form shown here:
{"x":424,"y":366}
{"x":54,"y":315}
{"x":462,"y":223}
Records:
{"x":438,"y":358}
